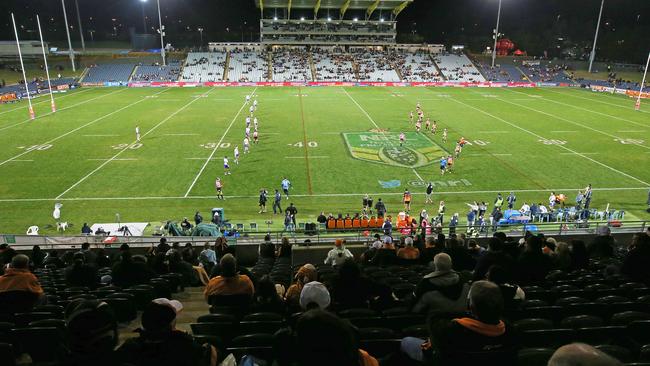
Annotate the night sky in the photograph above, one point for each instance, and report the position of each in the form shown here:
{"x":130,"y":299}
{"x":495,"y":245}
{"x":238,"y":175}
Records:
{"x":534,"y":25}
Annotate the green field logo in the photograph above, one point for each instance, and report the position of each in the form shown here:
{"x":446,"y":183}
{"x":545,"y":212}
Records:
{"x":383,"y":148}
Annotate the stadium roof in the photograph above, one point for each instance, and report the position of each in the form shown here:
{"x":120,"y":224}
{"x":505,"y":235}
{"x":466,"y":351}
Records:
{"x":396,"y":6}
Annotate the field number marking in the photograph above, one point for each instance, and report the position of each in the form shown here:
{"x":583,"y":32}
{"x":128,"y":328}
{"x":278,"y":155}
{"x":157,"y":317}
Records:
{"x":309,"y":144}
{"x":552,"y":142}
{"x":212,"y":145}
{"x":36,"y":147}
{"x":135,"y":146}
{"x":630,"y":141}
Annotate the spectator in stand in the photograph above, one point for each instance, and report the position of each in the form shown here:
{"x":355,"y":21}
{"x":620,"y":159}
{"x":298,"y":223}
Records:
{"x":386,"y":255}
{"x":482,"y":338}
{"x":512,"y":294}
{"x":350,"y":289}
{"x":160,"y":343}
{"x":267,"y":299}
{"x":18,"y":278}
{"x":579,"y":255}
{"x":442,"y":290}
{"x":285,"y":250}
{"x":578,"y":354}
{"x":562,"y":257}
{"x":323,"y":339}
{"x":89,"y":255}
{"x":532,"y":265}
{"x":266,"y":250}
{"x":85,"y":229}
{"x":6,"y":254}
{"x":602,"y":246}
{"x":307,"y":273}
{"x":80,"y":274}
{"x":314,"y":295}
{"x":178,"y":265}
{"x":377,"y":244}
{"x":635,"y":265}
{"x":207,"y":257}
{"x":460,"y":256}
{"x":339,"y":254}
{"x":127,"y":272}
{"x":53,"y":259}
{"x":92,"y":334}
{"x":230,"y":282}
{"x":37,"y":257}
{"x":408,"y":252}
{"x":431,"y":248}
{"x":494,"y":256}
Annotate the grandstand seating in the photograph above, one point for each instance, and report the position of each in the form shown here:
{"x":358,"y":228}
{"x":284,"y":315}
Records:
{"x":332,"y":65}
{"x":291,"y":64}
{"x":544,"y":73}
{"x":416,"y":66}
{"x":157,"y":73}
{"x":501,"y":72}
{"x":39,"y":85}
{"x":204,"y":66}
{"x":247,"y":65}
{"x":458,"y":67}
{"x":109,"y":73}
{"x":374,"y":66}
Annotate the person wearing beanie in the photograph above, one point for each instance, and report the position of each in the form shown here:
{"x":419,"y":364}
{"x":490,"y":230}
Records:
{"x":161,"y":344}
{"x":92,"y":333}
{"x":339,"y":254}
{"x":314,"y":295}
{"x":307,"y":273}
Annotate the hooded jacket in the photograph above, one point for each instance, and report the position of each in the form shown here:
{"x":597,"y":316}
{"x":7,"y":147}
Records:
{"x":441,"y":291}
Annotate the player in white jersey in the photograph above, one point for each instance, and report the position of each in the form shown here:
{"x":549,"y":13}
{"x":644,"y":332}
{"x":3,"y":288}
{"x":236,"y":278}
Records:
{"x":402,"y":138}
{"x":248,"y":131}
{"x":411,"y":116}
{"x":219,"y":186}
{"x":427,"y":124}
{"x":248,"y":98}
{"x":418,"y":125}
{"x":255,"y":137}
{"x":255,"y":104}
{"x":137,"y":133}
{"x":434,"y":127}
{"x":226,"y":166}
{"x":417,"y":106}
{"x":444,"y":135}
{"x":255,"y":122}
{"x":246,"y":145}
{"x":248,"y":121}
{"x":251,"y":109}
{"x":236,"y":154}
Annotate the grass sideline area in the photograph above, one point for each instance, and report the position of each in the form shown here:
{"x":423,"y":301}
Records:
{"x":335,"y":144}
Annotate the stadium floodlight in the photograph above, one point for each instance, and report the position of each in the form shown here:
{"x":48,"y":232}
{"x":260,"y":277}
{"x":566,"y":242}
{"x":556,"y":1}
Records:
{"x":162,"y":35}
{"x":144,"y":18}
{"x":356,"y":19}
{"x":329,"y":19}
{"x":496,"y":35}
{"x":275,"y":18}
{"x":645,"y":73}
{"x":22,"y":68}
{"x":381,"y":19}
{"x":302,"y":19}
{"x":67,"y":31}
{"x":592,"y":56}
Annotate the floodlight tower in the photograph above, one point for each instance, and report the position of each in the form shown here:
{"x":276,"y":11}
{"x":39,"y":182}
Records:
{"x":67,"y":31}
{"x":592,"y":56}
{"x":496,"y":35}
{"x":161,"y":30}
{"x":144,"y":19}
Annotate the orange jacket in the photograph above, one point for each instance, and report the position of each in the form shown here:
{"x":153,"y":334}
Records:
{"x":340,"y":224}
{"x":19,"y":280}
{"x":348,"y":223}
{"x":364,"y":223}
{"x":356,"y":223}
{"x":331,"y":224}
{"x":238,"y":285}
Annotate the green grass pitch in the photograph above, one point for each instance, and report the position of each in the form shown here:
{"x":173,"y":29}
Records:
{"x":334,"y":144}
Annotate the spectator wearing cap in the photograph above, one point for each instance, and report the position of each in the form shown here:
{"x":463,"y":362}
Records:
{"x":18,"y":278}
{"x":230,"y":282}
{"x":482,"y":338}
{"x":339,"y":254}
{"x":307,"y":273}
{"x":92,"y":333}
{"x":350,"y":289}
{"x":80,"y":274}
{"x":314,"y":295}
{"x":441,"y":290}
{"x":161,"y":344}
{"x":408,"y":252}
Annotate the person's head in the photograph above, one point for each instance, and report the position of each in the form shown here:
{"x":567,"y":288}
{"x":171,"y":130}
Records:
{"x":349,"y":270}
{"x":497,"y":274}
{"x":206,"y":245}
{"x":92,"y":327}
{"x":53,"y":254}
{"x":36,"y":249}
{"x":20,"y":261}
{"x":267,"y":237}
{"x":79,"y":259}
{"x":603,"y":231}
{"x":265,"y":288}
{"x":339,"y":243}
{"x":550,"y":243}
{"x":314,"y":295}
{"x":486,"y":302}
{"x":580,"y":354}
{"x":408,"y":241}
{"x":534,"y":243}
{"x":85,"y":246}
{"x":640,"y":241}
{"x":306,"y":274}
{"x":442,"y":262}
{"x":124,"y":247}
{"x":285,"y":241}
{"x":494,"y":244}
{"x":160,"y":316}
{"x":323,"y":339}
{"x":562,"y":248}
{"x":228,"y":264}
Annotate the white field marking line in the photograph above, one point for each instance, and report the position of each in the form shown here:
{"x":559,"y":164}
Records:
{"x":310,"y":157}
{"x":132,"y":143}
{"x":125,"y":159}
{"x":62,"y":109}
{"x":316,"y":195}
{"x":584,"y":153}
{"x":560,"y":146}
{"x":493,"y":132}
{"x":632,"y":131}
{"x":563,"y":131}
{"x":47,"y":100}
{"x":180,"y":134}
{"x":21,"y":160}
{"x":80,"y":127}
{"x":571,"y":121}
{"x":100,"y":135}
{"x":594,"y":100}
{"x":587,"y":110}
{"x":376,"y":126}
{"x":207,"y":161}
{"x":200,"y":158}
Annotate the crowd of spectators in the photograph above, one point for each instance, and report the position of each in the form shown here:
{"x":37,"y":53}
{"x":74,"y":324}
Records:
{"x":333,"y":64}
{"x":291,"y":64}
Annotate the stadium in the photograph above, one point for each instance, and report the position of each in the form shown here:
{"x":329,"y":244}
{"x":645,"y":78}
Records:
{"x":324,"y":182}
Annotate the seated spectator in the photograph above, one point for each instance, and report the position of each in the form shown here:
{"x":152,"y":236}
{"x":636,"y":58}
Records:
{"x":161,"y":344}
{"x":230,"y":282}
{"x":190,"y":255}
{"x":512,"y":294}
{"x":350,"y":289}
{"x":386,"y":255}
{"x":208,"y":257}
{"x":314,"y":295}
{"x":92,"y":334}
{"x":377,"y":244}
{"x":267,"y":299}
{"x":86,"y":230}
{"x":431,"y":248}
{"x":635,"y":265}
{"x":339,"y":254}
{"x":323,"y":339}
{"x":178,"y":265}
{"x":562,"y":257}
{"x":90,"y":256}
{"x":483,"y":338}
{"x":579,"y":255}
{"x":533,"y":265}
{"x":579,"y":354}
{"x":602,"y":246}
{"x":460,"y":256}
{"x":18,"y":277}
{"x":80,"y":274}
{"x":127,"y":272}
{"x":37,"y":257}
{"x":408,"y":252}
{"x":494,"y":256}
{"x":285,"y":249}
{"x":52,"y":259}
{"x":307,"y":273}
{"x":266,"y":250}
{"x":442,"y":290}
{"x":6,"y":254}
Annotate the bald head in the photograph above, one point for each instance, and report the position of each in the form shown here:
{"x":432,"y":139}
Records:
{"x":580,"y":354}
{"x":20,"y":261}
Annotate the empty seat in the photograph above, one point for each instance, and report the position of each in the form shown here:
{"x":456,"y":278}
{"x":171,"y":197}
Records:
{"x":620,"y":353}
{"x":23,"y":319}
{"x":42,"y":344}
{"x":216,"y":318}
{"x":599,"y":335}
{"x":532,"y":324}
{"x":253,"y":340}
{"x":581,"y":321}
{"x":546,"y":337}
{"x":534,"y":356}
{"x":7,"y":355}
{"x":570,"y":300}
{"x":376,"y":333}
{"x":628,"y":317}
{"x":263,"y":326}
{"x":224,"y":332}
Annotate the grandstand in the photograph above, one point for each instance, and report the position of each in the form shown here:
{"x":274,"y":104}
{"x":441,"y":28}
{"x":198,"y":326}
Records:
{"x":204,"y":66}
{"x":374,"y":66}
{"x":170,"y":72}
{"x":458,"y":67}
{"x":502,"y":72}
{"x":119,"y":73}
{"x":333,"y":64}
{"x":291,"y":64}
{"x":416,"y":66}
{"x":247,"y":64}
